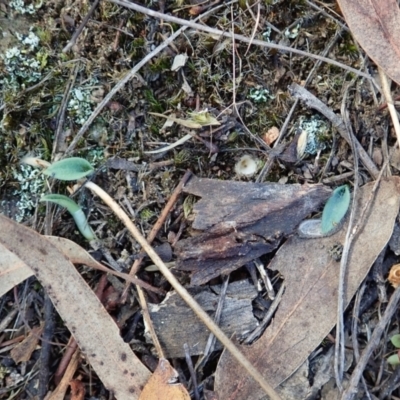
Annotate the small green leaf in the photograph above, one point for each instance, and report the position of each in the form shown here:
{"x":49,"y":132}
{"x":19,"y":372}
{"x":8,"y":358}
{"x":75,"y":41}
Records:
{"x":62,"y":201}
{"x":395,"y":339}
{"x":335,"y":210}
{"x":69,"y":169}
{"x":394,"y":359}
{"x":77,"y":214}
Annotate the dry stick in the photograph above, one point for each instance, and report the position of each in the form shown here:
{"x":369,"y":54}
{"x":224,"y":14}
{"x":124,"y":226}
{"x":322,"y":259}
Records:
{"x":313,"y":102}
{"x":354,"y":329}
{"x":127,"y":78}
{"x":217,"y":317}
{"x":350,"y":235}
{"x":156,"y":227}
{"x":129,"y":278}
{"x":70,"y":349}
{"x":263,"y":324}
{"x":149,"y":323}
{"x":81,"y":26}
{"x":389,"y":101}
{"x":192,"y":372}
{"x":229,"y":35}
{"x":63,"y":109}
{"x":257,"y":22}
{"x":257,"y":376}
{"x":322,"y":11}
{"x":372,"y":344}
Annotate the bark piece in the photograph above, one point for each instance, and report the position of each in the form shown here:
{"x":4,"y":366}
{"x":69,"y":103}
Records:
{"x":176,"y":324}
{"x":243,"y":221}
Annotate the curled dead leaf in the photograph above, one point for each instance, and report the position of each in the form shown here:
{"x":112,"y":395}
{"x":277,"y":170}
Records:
{"x":394,"y":275}
{"x":271,"y":135}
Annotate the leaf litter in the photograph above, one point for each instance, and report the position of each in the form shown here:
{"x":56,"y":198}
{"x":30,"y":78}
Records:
{"x":307,"y":312}
{"x":276,"y":70}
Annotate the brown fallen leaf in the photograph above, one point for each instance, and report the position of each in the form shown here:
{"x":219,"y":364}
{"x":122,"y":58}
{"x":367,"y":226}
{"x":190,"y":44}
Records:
{"x":163,"y":384}
{"x":271,"y":135}
{"x":77,"y":390}
{"x":22,"y":351}
{"x":242,"y":222}
{"x":94,"y":330}
{"x":307,"y":311}
{"x":376,"y":26}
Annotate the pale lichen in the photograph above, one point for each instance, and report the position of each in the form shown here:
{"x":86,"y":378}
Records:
{"x":31,"y":185}
{"x":21,"y":63}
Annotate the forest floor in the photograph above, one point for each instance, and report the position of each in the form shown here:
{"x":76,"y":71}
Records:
{"x":219,"y":106}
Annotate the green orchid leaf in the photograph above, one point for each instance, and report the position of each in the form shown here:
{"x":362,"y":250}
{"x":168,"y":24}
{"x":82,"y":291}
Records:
{"x":335,"y":210}
{"x":394,"y":359}
{"x":69,"y":169}
{"x":395,"y":339}
{"x":75,"y":210}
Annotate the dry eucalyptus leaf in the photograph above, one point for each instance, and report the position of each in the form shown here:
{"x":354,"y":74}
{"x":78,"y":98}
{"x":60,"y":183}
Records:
{"x":163,"y":384}
{"x":376,"y":26}
{"x":307,"y":312}
{"x":94,"y":330}
{"x":13,"y":270}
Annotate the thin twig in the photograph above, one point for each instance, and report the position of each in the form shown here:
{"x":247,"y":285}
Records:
{"x":263,"y":324}
{"x":372,"y":344}
{"x":240,"y":38}
{"x":210,"y":324}
{"x":390,"y":104}
{"x":323,"y":12}
{"x":340,"y":339}
{"x":63,"y":109}
{"x":45,"y":352}
{"x":192,"y":371}
{"x":80,"y":27}
{"x":257,"y":22}
{"x":149,"y":323}
{"x":157,"y":226}
{"x":354,"y":330}
{"x":217,"y":317}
